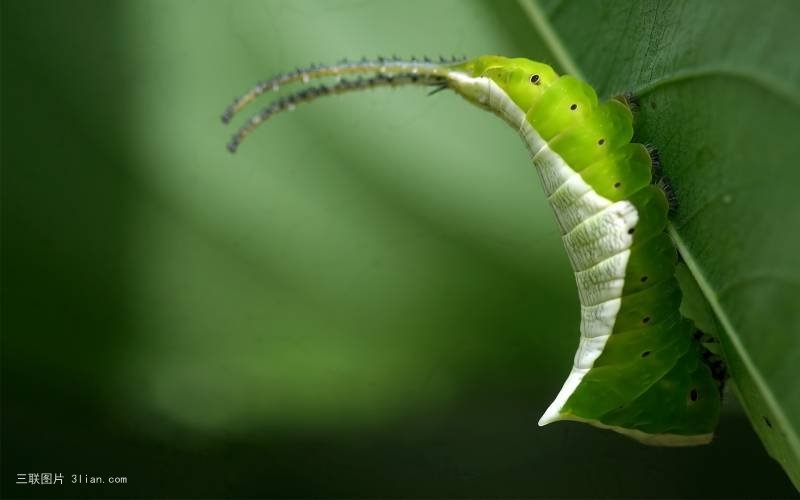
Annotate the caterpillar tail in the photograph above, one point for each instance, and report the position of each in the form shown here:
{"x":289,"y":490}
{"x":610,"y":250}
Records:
{"x":369,"y":74}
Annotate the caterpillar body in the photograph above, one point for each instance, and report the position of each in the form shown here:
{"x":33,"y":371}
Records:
{"x":639,"y":370}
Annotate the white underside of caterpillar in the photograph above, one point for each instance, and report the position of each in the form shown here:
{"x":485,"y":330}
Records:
{"x":596,"y":236}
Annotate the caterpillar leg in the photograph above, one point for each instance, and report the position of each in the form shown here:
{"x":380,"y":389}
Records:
{"x":665,"y":185}
{"x":655,"y":163}
{"x":629,"y":99}
{"x":662,"y":181}
{"x":709,"y":352}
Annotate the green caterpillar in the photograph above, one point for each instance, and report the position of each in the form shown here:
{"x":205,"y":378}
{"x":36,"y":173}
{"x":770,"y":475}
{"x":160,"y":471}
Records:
{"x":640,"y":369}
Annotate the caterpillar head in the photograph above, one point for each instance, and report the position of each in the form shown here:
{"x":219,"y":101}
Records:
{"x":522,"y":79}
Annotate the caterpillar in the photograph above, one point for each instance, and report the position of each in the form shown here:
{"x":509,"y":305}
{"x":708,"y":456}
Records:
{"x":641,"y":368}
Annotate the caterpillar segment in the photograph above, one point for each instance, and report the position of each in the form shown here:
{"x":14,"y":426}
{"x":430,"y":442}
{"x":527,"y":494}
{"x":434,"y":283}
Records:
{"x":638,"y":369}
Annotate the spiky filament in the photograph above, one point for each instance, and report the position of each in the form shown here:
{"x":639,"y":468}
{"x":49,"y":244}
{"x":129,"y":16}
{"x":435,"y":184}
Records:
{"x":389,"y":66}
{"x":383,"y":72}
{"x":342,"y":86}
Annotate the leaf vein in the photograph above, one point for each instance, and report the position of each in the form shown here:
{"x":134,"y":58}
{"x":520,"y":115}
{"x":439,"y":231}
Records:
{"x":539,"y":19}
{"x":760,"y":79}
{"x":735,"y":340}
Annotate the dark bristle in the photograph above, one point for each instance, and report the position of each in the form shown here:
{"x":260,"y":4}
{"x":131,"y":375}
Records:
{"x":633,"y":102}
{"x":714,"y":362}
{"x":628,"y":99}
{"x":655,"y":162}
{"x":666,"y":186}
{"x":438,"y":89}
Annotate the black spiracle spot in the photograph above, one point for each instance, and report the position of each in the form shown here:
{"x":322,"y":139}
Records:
{"x":693,"y":395}
{"x":646,"y":320}
{"x":766,"y":421}
{"x":601,"y":142}
{"x":631,"y":230}
{"x":645,"y":354}
{"x":535,"y":79}
{"x":573,"y":107}
{"x":617,"y":185}
{"x":643,"y":279}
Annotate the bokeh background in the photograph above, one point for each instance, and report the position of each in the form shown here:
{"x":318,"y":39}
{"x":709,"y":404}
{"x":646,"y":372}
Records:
{"x":369,"y":299}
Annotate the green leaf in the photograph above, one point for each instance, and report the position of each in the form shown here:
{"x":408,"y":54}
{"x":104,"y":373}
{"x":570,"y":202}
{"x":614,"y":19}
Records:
{"x":719,"y":89}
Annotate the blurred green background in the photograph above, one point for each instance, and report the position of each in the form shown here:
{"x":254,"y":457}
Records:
{"x":369,"y":299}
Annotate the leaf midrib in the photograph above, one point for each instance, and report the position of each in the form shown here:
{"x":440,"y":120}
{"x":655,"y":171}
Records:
{"x":547,"y":31}
{"x":733,"y":336}
{"x":758,"y":78}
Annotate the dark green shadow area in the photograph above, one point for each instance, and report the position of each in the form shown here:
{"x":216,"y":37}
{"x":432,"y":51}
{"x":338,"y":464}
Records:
{"x":72,"y":316}
{"x":65,"y":206}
